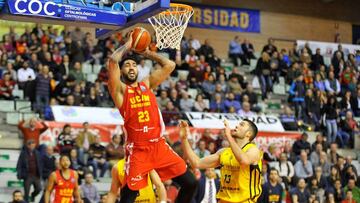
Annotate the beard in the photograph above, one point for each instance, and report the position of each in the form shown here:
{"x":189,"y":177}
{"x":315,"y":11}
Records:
{"x":129,"y":79}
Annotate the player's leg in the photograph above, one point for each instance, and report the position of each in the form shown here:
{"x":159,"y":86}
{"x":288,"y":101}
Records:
{"x":37,"y":187}
{"x":127,"y":195}
{"x":188,"y":185}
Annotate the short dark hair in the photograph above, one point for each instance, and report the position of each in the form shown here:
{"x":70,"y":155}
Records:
{"x":85,"y":123}
{"x":16,"y":191}
{"x":253,"y":129}
{"x":128,"y":57}
{"x":274,"y":169}
{"x":64,"y":155}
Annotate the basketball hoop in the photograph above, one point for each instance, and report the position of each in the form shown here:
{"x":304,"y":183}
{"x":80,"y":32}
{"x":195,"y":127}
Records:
{"x":170,"y":25}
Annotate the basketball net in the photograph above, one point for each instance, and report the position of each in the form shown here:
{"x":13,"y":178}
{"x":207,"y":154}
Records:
{"x":170,"y":25}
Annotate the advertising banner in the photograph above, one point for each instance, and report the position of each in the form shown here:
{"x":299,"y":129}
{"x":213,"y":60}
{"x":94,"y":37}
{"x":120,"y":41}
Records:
{"x":221,"y":18}
{"x":78,"y":114}
{"x":216,"y":121}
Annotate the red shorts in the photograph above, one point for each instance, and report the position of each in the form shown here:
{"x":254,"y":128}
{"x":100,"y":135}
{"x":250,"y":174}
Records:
{"x":142,"y":158}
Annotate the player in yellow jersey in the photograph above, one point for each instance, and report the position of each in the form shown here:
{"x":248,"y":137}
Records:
{"x":240,"y":163}
{"x":146,"y":195}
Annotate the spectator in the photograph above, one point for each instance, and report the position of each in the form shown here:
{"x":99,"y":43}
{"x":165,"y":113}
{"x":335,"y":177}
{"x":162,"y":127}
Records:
{"x":332,"y":85}
{"x":10,"y":70}
{"x":234,"y":86}
{"x":77,"y":72}
{"x":349,"y":128}
{"x":336,"y":191}
{"x":208,"y":86}
{"x":42,"y":89}
{"x":77,"y":165}
{"x":272,"y":190}
{"x":143,"y":70}
{"x":312,"y":108}
{"x":356,"y":103}
{"x":83,"y":141}
{"x":333,"y":154}
{"x":65,"y":140}
{"x":317,"y":60}
{"x":297,"y":96}
{"x":6,"y":87}
{"x":25,"y":74}
{"x":319,"y":140}
{"x":17,"y":197}
{"x":337,"y":61}
{"x":270,"y":48}
{"x":248,"y":49}
{"x":219,"y":90}
{"x":302,"y":144}
{"x":349,"y":197}
{"x":316,"y":190}
{"x":346,"y":78}
{"x":331,"y":114}
{"x":64,"y":88}
{"x":263,"y":71}
{"x":163,"y":99}
{"x":354,"y":189}
{"x":303,"y":167}
{"x":194,"y":43}
{"x":270,"y":155}
{"x":48,"y":162}
{"x":305,"y":57}
{"x":209,"y":185}
{"x":200,"y":104}
{"x":319,"y":83}
{"x":217,"y":104}
{"x":288,"y":120}
{"x":89,"y":192}
{"x":115,"y":150}
{"x":320,"y":177}
{"x":171,"y":114}
{"x":324,"y":164}
{"x":207,"y":50}
{"x":231,"y":102}
{"x":315,"y":155}
{"x":29,"y":170}
{"x":201,"y":150}
{"x":70,"y":100}
{"x":32,"y":129}
{"x":285,"y":169}
{"x":191,"y":58}
{"x":92,"y":99}
{"x":300,"y":194}
{"x":332,"y":178}
{"x":186,"y":103}
{"x":245,"y":110}
{"x":97,"y":158}
{"x":236,"y":53}
{"x":253,"y":99}
{"x":346,"y":102}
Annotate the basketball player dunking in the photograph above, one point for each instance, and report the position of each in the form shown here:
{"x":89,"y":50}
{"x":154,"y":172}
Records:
{"x":65,"y":183}
{"x":240,"y":164}
{"x":146,"y":148}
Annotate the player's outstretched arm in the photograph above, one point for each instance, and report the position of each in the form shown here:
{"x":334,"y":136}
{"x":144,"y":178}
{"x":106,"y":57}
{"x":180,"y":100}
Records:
{"x":160,"y":188}
{"x":50,"y":187}
{"x":77,"y":196}
{"x":115,"y":185}
{"x":159,"y":75}
{"x":211,"y":161}
{"x":249,"y":157}
{"x":114,"y":73}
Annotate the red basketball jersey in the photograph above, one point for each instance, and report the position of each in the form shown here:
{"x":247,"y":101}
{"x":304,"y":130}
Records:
{"x":142,"y":118}
{"x":64,"y":189}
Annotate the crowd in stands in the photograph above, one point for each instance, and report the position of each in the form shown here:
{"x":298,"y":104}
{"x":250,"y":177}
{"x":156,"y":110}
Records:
{"x":46,"y":63}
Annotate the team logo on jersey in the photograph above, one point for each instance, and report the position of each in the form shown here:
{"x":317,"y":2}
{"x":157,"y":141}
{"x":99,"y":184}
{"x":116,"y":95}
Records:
{"x":131,"y":91}
{"x":143,"y":88}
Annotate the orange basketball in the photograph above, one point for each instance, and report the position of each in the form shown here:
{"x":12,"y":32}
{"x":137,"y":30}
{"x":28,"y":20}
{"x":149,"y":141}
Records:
{"x":141,"y":39}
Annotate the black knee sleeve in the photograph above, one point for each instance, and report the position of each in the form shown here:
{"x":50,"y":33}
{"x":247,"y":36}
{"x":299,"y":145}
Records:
{"x":127,"y":195}
{"x":188,"y":185}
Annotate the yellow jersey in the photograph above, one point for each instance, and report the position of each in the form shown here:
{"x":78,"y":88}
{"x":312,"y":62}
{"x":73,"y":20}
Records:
{"x":239,"y":183}
{"x":146,"y":195}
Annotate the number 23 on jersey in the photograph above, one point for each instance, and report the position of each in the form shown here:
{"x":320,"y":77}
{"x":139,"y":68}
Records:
{"x":143,"y":116}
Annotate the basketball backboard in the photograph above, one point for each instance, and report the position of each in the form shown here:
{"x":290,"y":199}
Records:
{"x":107,"y":15}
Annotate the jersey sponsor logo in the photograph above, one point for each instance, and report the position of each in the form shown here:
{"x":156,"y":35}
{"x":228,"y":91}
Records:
{"x":136,"y":179}
{"x":139,"y":101}
{"x":143,"y":88}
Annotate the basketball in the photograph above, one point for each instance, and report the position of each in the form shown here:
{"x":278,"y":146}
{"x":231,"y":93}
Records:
{"x":141,"y":39}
